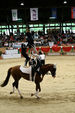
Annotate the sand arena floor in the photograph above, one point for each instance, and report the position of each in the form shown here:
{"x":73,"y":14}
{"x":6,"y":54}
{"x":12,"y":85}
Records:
{"x":57,"y":95}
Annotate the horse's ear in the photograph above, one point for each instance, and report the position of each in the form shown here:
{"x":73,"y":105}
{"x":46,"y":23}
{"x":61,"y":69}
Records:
{"x":54,"y":66}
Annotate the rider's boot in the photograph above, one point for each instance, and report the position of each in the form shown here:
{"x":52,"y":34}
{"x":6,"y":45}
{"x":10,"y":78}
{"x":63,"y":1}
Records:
{"x":38,"y":72}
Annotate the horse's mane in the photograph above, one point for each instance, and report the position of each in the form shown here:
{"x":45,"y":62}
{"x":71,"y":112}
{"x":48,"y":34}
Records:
{"x":46,"y":65}
{"x":45,"y":68}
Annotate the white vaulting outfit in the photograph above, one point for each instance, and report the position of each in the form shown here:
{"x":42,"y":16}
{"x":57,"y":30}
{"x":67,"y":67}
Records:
{"x":42,"y":58}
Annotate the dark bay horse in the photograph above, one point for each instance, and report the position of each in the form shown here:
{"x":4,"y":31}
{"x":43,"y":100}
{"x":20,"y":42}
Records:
{"x":17,"y":74}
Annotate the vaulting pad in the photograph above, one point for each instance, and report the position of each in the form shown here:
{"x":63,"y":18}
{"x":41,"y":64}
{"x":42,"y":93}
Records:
{"x":26,"y":70}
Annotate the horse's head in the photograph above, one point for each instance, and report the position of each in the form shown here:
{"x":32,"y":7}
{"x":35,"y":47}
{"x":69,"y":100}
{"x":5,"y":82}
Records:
{"x":49,"y":67}
{"x":53,"y":70}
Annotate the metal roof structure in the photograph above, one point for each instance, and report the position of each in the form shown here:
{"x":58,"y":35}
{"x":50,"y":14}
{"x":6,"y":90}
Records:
{"x":8,"y":4}
{"x":43,"y":5}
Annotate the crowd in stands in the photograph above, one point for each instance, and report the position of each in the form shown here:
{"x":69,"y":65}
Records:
{"x":51,"y":36}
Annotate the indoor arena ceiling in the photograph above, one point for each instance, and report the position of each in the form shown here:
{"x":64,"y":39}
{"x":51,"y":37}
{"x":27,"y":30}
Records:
{"x":7,"y":4}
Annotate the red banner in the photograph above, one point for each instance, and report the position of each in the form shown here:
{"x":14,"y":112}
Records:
{"x":45,"y":49}
{"x":37,"y":48}
{"x":74,"y":47}
{"x":67,"y":49}
{"x":56,"y":48}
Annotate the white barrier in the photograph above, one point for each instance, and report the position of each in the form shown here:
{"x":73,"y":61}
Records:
{"x":12,"y":53}
{"x":72,"y":54}
{"x":54,"y":54}
{"x":11,"y":56}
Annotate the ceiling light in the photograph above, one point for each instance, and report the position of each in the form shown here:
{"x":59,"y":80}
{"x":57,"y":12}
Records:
{"x":65,"y":2}
{"x":22,"y":4}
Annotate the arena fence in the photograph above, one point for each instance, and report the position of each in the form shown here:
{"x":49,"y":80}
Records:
{"x":54,"y":50}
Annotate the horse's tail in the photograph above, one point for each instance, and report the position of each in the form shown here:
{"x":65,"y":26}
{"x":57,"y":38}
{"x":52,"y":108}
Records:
{"x":7,"y":78}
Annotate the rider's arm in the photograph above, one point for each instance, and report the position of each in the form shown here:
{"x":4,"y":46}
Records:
{"x":36,"y":55}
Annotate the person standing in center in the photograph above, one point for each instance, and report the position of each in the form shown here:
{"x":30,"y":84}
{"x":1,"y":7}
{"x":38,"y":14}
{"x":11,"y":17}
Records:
{"x":42,"y":57}
{"x":30,"y":40}
{"x":40,"y":60}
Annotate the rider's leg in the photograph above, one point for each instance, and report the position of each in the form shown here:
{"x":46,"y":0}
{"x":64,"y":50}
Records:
{"x":33,"y":71}
{"x":37,"y":70}
{"x":39,"y":73}
{"x":27,"y":59}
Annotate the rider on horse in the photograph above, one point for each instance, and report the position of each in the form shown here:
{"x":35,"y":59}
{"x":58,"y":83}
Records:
{"x":36,"y":65}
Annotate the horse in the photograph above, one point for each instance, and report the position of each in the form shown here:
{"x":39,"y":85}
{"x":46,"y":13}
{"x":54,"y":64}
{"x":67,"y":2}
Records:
{"x":17,"y":74}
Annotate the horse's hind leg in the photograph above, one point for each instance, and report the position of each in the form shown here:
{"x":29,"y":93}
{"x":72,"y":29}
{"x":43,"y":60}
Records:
{"x":15,"y":84}
{"x":13,"y":88}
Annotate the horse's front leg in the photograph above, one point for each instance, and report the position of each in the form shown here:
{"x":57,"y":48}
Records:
{"x":38,"y":89}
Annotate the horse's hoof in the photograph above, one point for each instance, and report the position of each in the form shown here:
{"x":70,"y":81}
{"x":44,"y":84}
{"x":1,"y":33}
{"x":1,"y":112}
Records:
{"x":38,"y":97}
{"x":11,"y":92}
{"x":21,"y":97}
{"x":32,"y":94}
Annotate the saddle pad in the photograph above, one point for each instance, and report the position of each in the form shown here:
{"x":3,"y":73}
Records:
{"x":26,"y":70}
